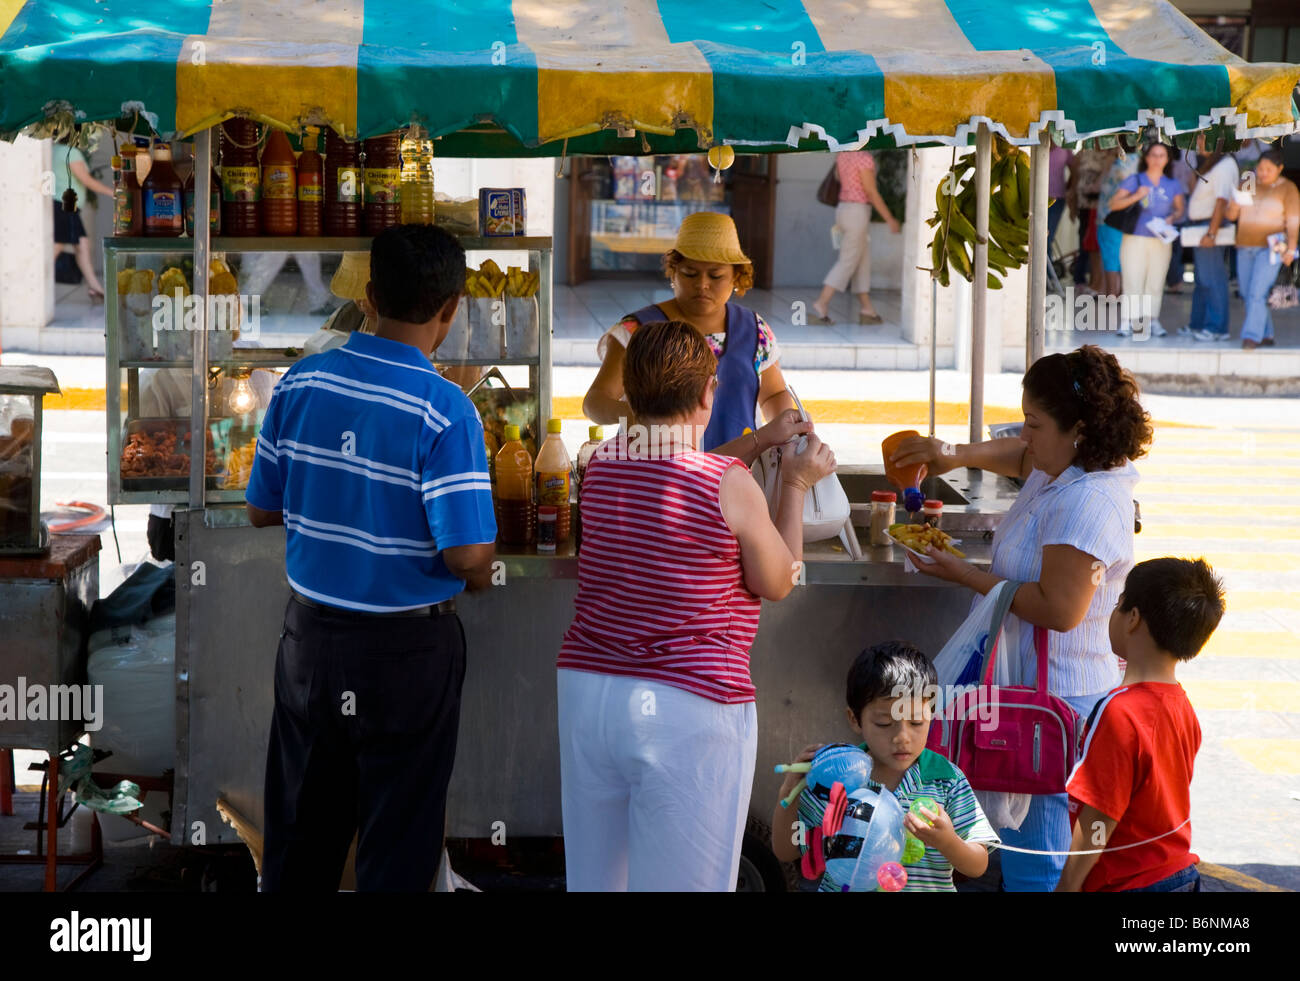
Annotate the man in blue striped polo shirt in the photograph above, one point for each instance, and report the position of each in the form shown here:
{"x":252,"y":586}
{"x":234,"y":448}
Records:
{"x":376,"y":467}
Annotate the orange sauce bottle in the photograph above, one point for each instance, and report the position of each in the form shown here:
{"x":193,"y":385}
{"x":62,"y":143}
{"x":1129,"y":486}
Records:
{"x":279,"y":186}
{"x":906,"y":479}
{"x":311,"y":186}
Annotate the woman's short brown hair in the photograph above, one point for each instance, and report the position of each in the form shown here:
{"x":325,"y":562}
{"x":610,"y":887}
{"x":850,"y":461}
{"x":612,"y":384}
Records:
{"x":1090,"y":386}
{"x":668,"y":363}
{"x":743,"y":271}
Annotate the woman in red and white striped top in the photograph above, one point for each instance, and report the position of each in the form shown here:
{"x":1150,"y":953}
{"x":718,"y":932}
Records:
{"x":658,"y":731}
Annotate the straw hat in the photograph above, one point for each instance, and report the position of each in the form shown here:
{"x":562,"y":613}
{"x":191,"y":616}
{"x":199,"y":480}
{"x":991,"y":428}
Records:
{"x":709,"y":237}
{"x":350,"y":278}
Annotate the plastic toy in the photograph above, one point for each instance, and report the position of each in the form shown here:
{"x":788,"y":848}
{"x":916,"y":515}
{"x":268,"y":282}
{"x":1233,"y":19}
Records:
{"x":914,"y":847}
{"x":870,"y":836}
{"x":833,"y":763}
{"x":891,"y":877}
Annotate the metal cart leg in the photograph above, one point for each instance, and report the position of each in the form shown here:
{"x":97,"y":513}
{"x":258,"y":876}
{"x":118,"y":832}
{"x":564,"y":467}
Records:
{"x":52,"y":825}
{"x":7,"y":782}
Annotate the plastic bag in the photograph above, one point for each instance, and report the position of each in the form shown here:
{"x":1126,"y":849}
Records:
{"x":958,"y":664}
{"x":136,"y":666}
{"x":826,"y":511}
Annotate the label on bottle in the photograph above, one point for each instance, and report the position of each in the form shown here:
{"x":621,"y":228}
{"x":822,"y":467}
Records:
{"x":383,"y":185}
{"x":241,"y":183}
{"x":163,"y":210}
{"x":214,"y":211}
{"x":310,"y":190}
{"x":553,"y":488}
{"x":349,"y":185}
{"x":279,"y":182}
{"x":123,"y":213}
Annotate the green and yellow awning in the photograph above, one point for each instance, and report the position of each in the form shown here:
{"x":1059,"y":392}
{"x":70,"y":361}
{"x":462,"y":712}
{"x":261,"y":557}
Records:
{"x":522,"y":77}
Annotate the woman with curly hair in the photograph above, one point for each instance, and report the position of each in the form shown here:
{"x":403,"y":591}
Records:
{"x":1068,"y":537}
{"x":706,"y":266}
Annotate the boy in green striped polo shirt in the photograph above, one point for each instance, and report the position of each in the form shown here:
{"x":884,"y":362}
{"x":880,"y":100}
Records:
{"x":886,"y":708}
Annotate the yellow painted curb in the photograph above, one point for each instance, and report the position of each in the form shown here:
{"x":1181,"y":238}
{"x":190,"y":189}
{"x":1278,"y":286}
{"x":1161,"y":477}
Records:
{"x":1233,"y":877}
{"x":80,"y":400}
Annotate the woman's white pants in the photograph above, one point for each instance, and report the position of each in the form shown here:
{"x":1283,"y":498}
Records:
{"x":655,"y":785}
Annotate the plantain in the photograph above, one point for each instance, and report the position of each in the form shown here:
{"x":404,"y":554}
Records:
{"x":1022,"y":181}
{"x":960,"y":260}
{"x":994,"y":282}
{"x":938,"y":258}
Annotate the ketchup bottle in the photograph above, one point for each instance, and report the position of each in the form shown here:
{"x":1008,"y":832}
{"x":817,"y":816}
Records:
{"x":342,"y":186}
{"x":383,"y":180}
{"x":279,"y":186}
{"x":241,"y":180}
{"x":311,"y":173}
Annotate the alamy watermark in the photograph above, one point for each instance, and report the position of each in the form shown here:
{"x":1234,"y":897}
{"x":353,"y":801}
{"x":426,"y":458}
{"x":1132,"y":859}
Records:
{"x":936,"y":697}
{"x":53,"y":703}
{"x":225,"y":311}
{"x":1128,"y":311}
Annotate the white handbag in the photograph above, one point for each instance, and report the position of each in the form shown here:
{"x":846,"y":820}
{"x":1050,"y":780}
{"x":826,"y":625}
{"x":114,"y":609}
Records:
{"x":826,"y":511}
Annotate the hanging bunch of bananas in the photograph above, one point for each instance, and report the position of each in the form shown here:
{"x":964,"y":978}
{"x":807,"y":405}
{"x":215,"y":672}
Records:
{"x":954,"y":219}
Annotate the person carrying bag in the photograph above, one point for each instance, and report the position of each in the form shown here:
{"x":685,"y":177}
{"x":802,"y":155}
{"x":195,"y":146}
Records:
{"x":1015,"y":738}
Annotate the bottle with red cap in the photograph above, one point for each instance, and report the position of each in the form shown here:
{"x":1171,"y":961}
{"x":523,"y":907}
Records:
{"x":932,"y":512}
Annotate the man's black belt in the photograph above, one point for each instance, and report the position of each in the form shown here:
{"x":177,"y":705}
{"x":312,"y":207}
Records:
{"x":437,"y":610}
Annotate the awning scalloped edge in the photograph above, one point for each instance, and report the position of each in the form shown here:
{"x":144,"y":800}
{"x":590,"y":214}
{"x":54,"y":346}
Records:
{"x":1054,"y":118}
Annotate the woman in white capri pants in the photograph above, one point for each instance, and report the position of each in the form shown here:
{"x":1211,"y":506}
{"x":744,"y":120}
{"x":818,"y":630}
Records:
{"x":658,"y":732}
{"x":1143,"y":257}
{"x":856,"y":170}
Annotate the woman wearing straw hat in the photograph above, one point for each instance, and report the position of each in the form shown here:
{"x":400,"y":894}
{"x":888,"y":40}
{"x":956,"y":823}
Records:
{"x":349,"y":283}
{"x":706,"y":265}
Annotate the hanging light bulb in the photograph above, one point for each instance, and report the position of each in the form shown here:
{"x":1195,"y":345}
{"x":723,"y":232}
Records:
{"x":242,"y":398}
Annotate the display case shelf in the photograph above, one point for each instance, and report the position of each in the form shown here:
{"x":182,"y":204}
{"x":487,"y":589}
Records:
{"x":269,"y":243}
{"x":158,"y":390}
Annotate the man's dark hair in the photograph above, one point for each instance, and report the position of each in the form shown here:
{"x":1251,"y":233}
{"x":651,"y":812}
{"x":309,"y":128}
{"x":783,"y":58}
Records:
{"x":415,"y":270}
{"x":885,"y":669}
{"x":1180,"y":600}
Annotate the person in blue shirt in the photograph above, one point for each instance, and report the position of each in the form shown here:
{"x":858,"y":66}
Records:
{"x":375,"y":465}
{"x":1144,"y":256}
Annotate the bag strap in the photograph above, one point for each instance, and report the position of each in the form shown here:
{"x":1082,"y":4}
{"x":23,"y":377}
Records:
{"x":1040,"y":641}
{"x":1001,"y":607}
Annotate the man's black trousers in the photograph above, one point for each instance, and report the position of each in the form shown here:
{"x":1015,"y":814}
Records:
{"x":362,"y":740}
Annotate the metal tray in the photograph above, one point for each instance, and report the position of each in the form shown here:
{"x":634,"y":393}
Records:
{"x":179,"y":482}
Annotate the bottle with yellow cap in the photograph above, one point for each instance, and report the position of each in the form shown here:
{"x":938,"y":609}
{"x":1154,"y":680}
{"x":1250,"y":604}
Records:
{"x":553,"y":479}
{"x":516,"y":517}
{"x":595,"y":436}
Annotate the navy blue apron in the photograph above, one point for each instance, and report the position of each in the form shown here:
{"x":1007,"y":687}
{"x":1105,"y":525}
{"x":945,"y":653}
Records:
{"x":736,"y":399}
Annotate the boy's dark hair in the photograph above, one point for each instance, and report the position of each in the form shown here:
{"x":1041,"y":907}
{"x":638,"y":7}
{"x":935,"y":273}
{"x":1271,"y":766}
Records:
{"x":1180,"y":600}
{"x":885,"y":669}
{"x":415,"y":269}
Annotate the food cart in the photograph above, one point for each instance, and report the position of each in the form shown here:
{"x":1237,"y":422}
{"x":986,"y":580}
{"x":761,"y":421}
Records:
{"x":578,"y":78}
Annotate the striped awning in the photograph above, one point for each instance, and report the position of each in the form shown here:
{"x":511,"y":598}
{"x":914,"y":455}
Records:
{"x":522,"y":77}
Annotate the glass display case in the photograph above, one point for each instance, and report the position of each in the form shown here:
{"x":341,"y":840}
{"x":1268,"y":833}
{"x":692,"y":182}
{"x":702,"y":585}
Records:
{"x":22,"y":390}
{"x":268,"y":298}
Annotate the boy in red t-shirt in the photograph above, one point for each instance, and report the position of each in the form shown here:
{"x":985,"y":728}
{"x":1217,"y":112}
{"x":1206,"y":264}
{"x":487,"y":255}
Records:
{"x":1130,"y":793}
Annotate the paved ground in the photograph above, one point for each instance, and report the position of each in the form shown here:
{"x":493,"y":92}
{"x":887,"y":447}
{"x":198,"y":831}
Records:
{"x":1222,"y":481}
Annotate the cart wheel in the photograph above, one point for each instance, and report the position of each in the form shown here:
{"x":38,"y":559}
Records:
{"x":760,"y":871}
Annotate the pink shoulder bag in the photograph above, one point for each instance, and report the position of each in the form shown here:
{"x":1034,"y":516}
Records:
{"x":1015,"y":739}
